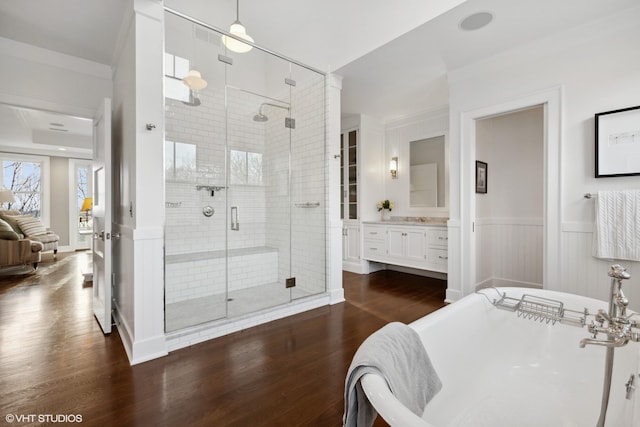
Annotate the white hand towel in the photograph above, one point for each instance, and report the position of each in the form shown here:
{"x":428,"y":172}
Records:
{"x":617,"y":234}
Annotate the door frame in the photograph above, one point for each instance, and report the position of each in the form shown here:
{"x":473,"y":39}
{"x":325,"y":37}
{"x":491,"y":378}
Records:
{"x":551,"y":100}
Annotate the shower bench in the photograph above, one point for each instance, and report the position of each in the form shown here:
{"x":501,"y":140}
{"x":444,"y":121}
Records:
{"x":199,"y":274}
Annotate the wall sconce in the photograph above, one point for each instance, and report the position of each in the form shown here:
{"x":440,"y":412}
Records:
{"x":393,"y":167}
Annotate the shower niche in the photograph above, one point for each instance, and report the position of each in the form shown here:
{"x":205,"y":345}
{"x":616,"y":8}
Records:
{"x":249,"y":150}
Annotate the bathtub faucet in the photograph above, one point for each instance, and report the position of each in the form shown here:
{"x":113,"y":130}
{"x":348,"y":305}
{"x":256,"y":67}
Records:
{"x":619,"y":331}
{"x":615,"y":324}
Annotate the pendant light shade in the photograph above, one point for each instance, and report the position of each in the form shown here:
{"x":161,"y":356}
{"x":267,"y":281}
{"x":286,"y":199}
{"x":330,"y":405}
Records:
{"x":237,"y":29}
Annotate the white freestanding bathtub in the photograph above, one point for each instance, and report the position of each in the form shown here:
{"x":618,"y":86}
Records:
{"x":499,"y":369}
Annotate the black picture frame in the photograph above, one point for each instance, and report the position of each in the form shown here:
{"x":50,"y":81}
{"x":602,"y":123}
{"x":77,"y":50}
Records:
{"x":481,"y":177}
{"x":617,"y":143}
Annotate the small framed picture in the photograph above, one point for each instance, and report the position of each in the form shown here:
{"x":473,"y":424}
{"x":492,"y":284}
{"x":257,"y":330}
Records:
{"x":618,"y":142}
{"x":481,"y":177}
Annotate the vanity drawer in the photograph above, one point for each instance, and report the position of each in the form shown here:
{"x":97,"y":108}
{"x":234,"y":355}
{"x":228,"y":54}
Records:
{"x":374,"y":249}
{"x":438,"y":256}
{"x":374,"y":232}
{"x":438,"y":237}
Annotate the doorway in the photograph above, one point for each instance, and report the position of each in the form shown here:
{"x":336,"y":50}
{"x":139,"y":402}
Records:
{"x":509,"y":215}
{"x":550,"y":102}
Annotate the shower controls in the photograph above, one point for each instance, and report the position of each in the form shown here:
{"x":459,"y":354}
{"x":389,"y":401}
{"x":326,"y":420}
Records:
{"x":235,"y":225}
{"x":208,"y":211}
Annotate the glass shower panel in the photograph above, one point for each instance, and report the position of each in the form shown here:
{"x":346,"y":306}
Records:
{"x":195,"y":178}
{"x":258,"y":211}
{"x":244,"y":178}
{"x":308,"y":182}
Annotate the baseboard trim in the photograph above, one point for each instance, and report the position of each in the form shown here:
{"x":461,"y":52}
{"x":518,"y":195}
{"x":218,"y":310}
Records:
{"x":141,"y":351}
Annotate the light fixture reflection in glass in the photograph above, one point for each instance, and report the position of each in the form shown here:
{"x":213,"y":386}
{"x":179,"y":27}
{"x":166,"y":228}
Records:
{"x":193,"y":80}
{"x":6,"y":196}
{"x":237,"y":29}
{"x":393,"y":167}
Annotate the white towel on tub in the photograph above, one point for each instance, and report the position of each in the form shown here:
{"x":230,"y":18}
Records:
{"x":396,"y":353}
{"x":617,"y":234}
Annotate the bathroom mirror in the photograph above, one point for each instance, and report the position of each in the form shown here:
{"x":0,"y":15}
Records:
{"x":427,"y":168}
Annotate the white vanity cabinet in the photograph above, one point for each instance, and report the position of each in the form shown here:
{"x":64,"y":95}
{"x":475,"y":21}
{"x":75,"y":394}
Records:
{"x":407,"y":243}
{"x":417,"y":246}
{"x":351,"y":242}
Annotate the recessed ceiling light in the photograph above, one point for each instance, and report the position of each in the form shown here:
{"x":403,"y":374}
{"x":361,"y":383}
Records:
{"x":62,"y":149}
{"x":476,"y":21}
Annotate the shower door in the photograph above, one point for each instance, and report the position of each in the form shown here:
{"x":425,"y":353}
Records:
{"x":258,"y":180}
{"x":308,"y":201}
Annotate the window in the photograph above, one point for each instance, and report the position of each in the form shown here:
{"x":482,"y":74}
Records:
{"x":179,"y":160}
{"x":24,"y":179}
{"x":175,"y":69}
{"x":245,"y":167}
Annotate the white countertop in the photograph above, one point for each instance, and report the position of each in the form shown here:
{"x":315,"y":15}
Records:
{"x":441,"y":222}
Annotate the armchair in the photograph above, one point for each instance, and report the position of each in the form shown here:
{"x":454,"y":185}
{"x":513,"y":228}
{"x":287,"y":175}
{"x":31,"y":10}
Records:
{"x":32,"y":229}
{"x":19,"y":252}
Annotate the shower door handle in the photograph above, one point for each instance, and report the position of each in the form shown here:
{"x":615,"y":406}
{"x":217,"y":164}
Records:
{"x":235,"y":225}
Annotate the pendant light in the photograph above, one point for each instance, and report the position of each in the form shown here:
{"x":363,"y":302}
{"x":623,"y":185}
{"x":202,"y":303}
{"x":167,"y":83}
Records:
{"x":237,"y":29}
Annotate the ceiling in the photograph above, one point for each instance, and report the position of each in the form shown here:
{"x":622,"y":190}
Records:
{"x":43,"y":132}
{"x":394,"y":59}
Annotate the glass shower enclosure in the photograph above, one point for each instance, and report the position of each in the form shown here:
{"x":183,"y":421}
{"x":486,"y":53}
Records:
{"x":245,"y":179}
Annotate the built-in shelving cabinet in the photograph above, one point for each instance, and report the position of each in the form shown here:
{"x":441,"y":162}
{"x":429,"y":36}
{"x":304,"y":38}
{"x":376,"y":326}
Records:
{"x":416,"y":246}
{"x":349,"y":174}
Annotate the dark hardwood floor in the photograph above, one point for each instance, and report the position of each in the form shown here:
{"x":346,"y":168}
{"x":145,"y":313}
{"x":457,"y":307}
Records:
{"x":55,"y":361}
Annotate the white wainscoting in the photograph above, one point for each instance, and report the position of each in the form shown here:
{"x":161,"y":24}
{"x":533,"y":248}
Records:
{"x":509,"y":252}
{"x":583,"y":274}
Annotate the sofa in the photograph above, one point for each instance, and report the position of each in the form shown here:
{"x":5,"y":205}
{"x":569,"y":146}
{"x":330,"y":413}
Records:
{"x":15,"y":250}
{"x":31,"y":228}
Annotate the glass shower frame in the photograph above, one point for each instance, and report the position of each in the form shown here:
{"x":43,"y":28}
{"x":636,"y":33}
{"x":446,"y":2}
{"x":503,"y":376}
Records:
{"x":265,"y":185}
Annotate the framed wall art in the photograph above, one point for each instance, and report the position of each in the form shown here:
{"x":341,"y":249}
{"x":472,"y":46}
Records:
{"x":481,"y":177}
{"x":617,"y":135}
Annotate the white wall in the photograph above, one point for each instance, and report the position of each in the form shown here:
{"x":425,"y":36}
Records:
{"x":371,"y":179}
{"x":597,"y":66}
{"x":139,"y":188}
{"x":40,"y":78}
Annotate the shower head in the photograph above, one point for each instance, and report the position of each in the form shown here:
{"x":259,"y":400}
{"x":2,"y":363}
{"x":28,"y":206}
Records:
{"x":261,"y":117}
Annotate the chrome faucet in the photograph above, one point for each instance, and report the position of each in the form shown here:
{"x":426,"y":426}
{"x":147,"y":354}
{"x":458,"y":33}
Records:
{"x":619,"y":332}
{"x":618,"y":325}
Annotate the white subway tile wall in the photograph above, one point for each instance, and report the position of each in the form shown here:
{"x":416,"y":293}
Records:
{"x":276,"y":239}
